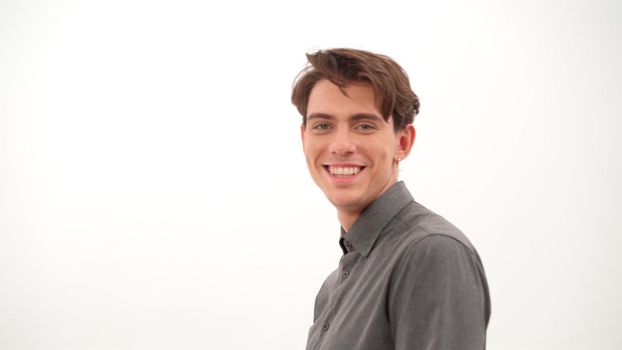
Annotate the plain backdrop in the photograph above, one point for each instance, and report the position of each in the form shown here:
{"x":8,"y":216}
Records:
{"x":154,"y":195}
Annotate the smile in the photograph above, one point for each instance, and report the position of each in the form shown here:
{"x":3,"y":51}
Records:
{"x":343,"y":171}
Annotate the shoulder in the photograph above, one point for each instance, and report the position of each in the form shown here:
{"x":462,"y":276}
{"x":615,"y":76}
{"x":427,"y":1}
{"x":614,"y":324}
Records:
{"x":422,"y":229}
{"x":439,"y":254}
{"x":437,"y":285}
{"x":424,"y":242}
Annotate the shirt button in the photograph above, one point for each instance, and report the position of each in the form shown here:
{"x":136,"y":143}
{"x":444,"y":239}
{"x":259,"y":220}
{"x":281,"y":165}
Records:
{"x":325,"y":327}
{"x":349,"y":245}
{"x":345,"y":274}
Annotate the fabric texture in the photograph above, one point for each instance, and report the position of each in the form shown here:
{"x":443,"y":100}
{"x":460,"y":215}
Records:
{"x":408,"y":279}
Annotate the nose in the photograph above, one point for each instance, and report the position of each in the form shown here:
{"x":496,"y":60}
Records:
{"x":342,"y":143}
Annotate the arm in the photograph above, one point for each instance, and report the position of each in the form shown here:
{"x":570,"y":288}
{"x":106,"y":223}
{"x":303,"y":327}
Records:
{"x":438,"y":297}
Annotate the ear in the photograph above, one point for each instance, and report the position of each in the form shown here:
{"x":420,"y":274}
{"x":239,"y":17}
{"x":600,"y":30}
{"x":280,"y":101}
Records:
{"x":405,"y":141}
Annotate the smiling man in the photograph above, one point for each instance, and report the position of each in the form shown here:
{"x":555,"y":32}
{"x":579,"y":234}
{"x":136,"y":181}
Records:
{"x":408,"y":279}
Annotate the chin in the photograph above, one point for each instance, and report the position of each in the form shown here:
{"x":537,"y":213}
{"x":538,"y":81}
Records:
{"x":346,"y":201}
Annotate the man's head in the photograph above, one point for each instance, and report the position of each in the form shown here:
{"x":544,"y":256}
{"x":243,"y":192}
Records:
{"x":342,"y":67}
{"x":357,"y":110}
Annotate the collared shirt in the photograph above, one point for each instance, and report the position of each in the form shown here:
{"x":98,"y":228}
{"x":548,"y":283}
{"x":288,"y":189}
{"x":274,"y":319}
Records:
{"x":408,"y":279}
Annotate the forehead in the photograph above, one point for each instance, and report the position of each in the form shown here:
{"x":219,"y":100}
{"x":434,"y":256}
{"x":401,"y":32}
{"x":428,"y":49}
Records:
{"x":326,"y":97}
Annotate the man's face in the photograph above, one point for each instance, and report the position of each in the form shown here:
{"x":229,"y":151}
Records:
{"x":350,"y":149}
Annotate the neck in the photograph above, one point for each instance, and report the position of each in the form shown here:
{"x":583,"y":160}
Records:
{"x":347,"y":217}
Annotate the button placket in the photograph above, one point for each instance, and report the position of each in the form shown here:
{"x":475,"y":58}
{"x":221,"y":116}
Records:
{"x":347,"y":263}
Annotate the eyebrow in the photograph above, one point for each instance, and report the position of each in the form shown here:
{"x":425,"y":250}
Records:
{"x":354,"y":117}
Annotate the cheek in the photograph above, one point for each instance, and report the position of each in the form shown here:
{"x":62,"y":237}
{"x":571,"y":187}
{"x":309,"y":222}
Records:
{"x":311,"y":154}
{"x":382,"y":153}
{"x":312,"y":149}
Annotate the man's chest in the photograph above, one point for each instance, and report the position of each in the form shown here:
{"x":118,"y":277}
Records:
{"x":351,"y":309}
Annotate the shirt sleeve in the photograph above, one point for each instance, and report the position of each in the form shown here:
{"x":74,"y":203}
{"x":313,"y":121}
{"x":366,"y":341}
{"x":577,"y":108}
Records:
{"x":438,"y":297}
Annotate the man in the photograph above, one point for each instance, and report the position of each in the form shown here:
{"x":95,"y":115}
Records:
{"x":408,"y":279}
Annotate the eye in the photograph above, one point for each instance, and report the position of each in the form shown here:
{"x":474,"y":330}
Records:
{"x":321,"y":126}
{"x":365,"y":127}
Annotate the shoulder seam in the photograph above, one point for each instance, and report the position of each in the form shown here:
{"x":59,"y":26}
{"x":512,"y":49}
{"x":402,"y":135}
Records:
{"x":433,"y":234}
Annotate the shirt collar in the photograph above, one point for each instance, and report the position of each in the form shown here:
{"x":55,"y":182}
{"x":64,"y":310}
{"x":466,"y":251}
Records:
{"x":367,"y":227}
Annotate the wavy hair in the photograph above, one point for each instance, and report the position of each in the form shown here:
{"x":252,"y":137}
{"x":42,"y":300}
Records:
{"x":344,"y":66}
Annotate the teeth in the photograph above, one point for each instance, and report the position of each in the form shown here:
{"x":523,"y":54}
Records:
{"x":344,"y":171}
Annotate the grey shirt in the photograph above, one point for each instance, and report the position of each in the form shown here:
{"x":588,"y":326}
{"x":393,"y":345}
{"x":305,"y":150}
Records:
{"x":408,"y":279}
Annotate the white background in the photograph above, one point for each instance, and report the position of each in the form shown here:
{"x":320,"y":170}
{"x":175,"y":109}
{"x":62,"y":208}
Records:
{"x":153,"y":192}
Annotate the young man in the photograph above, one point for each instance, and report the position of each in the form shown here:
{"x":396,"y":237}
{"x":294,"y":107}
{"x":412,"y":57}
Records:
{"x":408,"y":279}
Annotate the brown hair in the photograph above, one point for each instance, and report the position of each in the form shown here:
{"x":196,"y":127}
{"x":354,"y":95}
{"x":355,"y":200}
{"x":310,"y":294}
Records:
{"x":344,"y":66}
